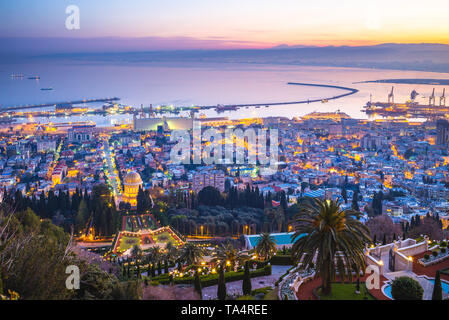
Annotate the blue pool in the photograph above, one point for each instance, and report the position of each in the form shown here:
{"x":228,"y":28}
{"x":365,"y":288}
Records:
{"x":282,"y":239}
{"x":444,"y":285}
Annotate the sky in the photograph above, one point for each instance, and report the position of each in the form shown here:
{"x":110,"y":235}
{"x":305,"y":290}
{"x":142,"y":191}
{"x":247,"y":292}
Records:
{"x":205,"y":24}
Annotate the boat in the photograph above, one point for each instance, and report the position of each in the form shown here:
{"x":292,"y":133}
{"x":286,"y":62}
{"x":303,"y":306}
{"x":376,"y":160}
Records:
{"x":324,"y":101}
{"x":34,"y":78}
{"x":221,"y":108}
{"x":46,"y":89}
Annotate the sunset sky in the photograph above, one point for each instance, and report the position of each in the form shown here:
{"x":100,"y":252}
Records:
{"x":181,"y":24}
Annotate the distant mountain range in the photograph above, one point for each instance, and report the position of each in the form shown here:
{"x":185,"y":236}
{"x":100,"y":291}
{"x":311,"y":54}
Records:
{"x":420,"y":57}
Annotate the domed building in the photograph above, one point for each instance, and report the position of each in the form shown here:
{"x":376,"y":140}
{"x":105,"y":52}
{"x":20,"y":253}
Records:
{"x":131,"y":184}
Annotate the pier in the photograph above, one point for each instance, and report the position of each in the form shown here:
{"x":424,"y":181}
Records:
{"x":44,"y":105}
{"x":233,"y":107}
{"x":351,"y":91}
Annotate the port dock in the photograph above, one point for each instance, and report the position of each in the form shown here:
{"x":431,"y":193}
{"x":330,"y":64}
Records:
{"x":66,"y":103}
{"x":410,"y":108}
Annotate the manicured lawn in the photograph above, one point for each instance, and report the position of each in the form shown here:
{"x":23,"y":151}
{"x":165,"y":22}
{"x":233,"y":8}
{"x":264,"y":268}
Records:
{"x":128,"y":242}
{"x":346,"y":291}
{"x":164,"y":237}
{"x":272,"y":295}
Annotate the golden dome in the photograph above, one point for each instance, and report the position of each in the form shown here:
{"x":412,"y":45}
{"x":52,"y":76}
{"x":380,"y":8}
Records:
{"x":132,"y":178}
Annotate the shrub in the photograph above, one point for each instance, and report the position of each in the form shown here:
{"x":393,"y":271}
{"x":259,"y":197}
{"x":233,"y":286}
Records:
{"x":246,"y":286}
{"x":443,"y":244}
{"x":281,"y":260}
{"x":434,"y":253}
{"x":406,"y":288}
{"x":263,"y":290}
{"x":197,"y":284}
{"x":154,"y":283}
{"x":443,"y":250}
{"x":426,"y":257}
{"x":221,"y":291}
{"x":245,"y":298}
{"x":212,"y":279}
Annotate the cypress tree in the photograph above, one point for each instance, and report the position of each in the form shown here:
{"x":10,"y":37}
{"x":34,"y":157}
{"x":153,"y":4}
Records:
{"x":165,"y":266}
{"x":197,"y":284}
{"x":355,"y":204}
{"x":221,"y":292}
{"x":153,"y":271}
{"x":437,"y":290}
{"x":344,"y":194}
{"x":246,"y":286}
{"x":384,"y":240}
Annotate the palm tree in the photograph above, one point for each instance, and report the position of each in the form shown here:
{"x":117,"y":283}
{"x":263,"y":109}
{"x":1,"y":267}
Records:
{"x":191,"y":253}
{"x":227,"y":254}
{"x":334,"y":239}
{"x":266,"y":246}
{"x":171,"y":254}
{"x":154,"y":255}
{"x":136,"y":251}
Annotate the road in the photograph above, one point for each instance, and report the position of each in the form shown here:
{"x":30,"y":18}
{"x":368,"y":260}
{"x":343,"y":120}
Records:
{"x":112,"y":177}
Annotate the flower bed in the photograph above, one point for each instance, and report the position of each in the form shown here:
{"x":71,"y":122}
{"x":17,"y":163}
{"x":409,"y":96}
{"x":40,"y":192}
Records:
{"x":433,"y":259}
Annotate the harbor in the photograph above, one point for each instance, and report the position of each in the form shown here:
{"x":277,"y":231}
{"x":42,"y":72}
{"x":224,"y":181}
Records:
{"x":410,"y":108}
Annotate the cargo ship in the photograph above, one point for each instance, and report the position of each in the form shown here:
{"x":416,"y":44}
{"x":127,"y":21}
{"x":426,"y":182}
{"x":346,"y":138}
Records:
{"x":46,"y":89}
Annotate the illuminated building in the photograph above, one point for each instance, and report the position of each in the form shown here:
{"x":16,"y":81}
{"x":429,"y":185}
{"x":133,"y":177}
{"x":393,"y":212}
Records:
{"x":155,"y":124}
{"x":213,"y":178}
{"x":335,"y":116}
{"x":131,"y":184}
{"x":80,"y":133}
{"x":442,"y":132}
{"x":372,"y":142}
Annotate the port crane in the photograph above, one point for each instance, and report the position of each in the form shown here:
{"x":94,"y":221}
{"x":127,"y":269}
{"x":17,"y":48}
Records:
{"x":443,"y":98}
{"x":413,"y":95}
{"x":432,"y":98}
{"x":391,"y":96}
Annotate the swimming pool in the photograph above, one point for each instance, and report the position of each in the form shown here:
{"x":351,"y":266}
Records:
{"x":444,"y":286}
{"x":281,"y":239}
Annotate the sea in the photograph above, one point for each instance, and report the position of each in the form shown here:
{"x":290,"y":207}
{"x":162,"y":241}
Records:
{"x":198,"y":83}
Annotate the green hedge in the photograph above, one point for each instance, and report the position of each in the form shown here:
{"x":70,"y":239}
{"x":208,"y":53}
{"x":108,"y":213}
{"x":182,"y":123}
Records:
{"x":212,"y":279}
{"x":282,"y":260}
